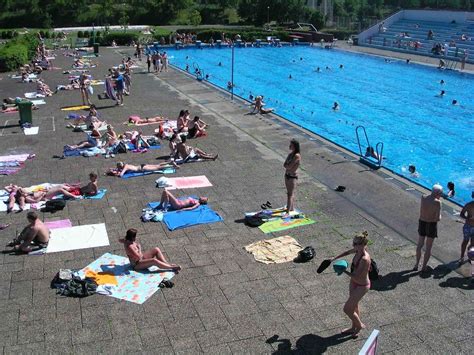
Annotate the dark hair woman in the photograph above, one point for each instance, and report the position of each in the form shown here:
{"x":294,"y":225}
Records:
{"x":291,"y":166}
{"x":142,"y":261}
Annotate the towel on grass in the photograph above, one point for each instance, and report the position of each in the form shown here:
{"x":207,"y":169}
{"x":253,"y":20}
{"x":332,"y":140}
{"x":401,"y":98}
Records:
{"x":275,"y":251}
{"x":132,"y":174}
{"x":117,"y":279}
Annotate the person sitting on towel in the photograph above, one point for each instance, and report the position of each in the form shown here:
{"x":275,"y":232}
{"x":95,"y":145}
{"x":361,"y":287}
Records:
{"x":143,"y":260}
{"x":74,"y":191}
{"x":35,"y":233}
{"x":196,"y":128}
{"x":93,"y":140}
{"x":180,"y":205}
{"x":123,"y":168}
{"x":22,"y":196}
{"x":187,"y":152}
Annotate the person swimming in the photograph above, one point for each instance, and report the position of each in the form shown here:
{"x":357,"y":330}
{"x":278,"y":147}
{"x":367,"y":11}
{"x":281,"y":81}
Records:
{"x":335,"y":106}
{"x":341,"y":66}
{"x":455,"y":103}
{"x":451,"y":191}
{"x":318,"y":70}
{"x":220,"y":64}
{"x":442,"y":82}
{"x":441,"y":94}
{"x":290,"y":77}
{"x":371,"y":153}
{"x":413,"y":172}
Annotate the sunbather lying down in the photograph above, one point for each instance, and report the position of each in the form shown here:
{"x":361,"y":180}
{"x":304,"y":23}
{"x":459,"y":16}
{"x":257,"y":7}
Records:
{"x":180,"y":205}
{"x":145,"y":121}
{"x":123,"y":168}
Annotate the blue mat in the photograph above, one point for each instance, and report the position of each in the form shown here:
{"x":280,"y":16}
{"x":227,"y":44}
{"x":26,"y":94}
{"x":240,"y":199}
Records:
{"x":182,"y":219}
{"x":78,"y":152}
{"x":131,"y":146}
{"x":132,"y":174}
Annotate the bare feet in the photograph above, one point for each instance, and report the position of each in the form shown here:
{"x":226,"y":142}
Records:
{"x":348,"y":331}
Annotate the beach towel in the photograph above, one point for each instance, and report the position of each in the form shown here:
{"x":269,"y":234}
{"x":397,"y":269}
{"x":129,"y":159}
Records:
{"x":182,"y":219}
{"x":132,"y":147}
{"x":31,"y":131}
{"x":17,"y":157}
{"x":109,"y":89}
{"x":62,"y":223}
{"x":97,"y":82}
{"x":189,"y":182}
{"x":87,"y":152}
{"x":75,"y":238}
{"x":117,"y":279}
{"x":75,"y":108}
{"x":167,"y":129}
{"x":275,"y":251}
{"x":38,"y":102}
{"x":33,"y":95}
{"x":283,"y":224}
{"x":132,"y":174}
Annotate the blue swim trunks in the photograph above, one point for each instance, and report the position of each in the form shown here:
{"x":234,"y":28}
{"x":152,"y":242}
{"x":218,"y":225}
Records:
{"x":468,"y":231}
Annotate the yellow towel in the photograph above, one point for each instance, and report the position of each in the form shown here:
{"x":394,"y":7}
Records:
{"x":275,"y":251}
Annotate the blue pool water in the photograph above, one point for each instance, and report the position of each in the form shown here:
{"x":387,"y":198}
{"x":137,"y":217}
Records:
{"x":395,"y":101}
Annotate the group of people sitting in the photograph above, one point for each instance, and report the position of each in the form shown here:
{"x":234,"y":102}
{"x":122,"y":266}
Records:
{"x":22,"y":196}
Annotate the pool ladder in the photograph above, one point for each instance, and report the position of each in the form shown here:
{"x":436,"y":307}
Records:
{"x":198,"y":72}
{"x":374,"y":163}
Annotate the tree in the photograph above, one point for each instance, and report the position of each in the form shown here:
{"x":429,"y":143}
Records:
{"x":259,"y":12}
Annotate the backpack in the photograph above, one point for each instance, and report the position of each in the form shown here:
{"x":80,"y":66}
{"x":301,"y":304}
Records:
{"x":120,"y":148}
{"x":53,"y":206}
{"x":254,"y":221}
{"x":373,"y":270}
{"x":306,"y":254}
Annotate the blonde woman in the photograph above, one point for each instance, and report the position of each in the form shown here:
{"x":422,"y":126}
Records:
{"x":359,"y":284}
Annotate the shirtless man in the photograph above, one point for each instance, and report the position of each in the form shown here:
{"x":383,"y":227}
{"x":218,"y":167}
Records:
{"x":187,"y":152}
{"x":467,"y":214}
{"x":69,"y":191}
{"x":430,"y":214}
{"x":122,"y":168}
{"x":34,"y":233}
{"x":180,"y":205}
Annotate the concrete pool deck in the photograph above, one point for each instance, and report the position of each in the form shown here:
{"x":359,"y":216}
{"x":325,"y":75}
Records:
{"x":223,"y":301}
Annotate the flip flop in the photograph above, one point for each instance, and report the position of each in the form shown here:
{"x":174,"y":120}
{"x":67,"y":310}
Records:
{"x":340,"y":188}
{"x":324,"y":265}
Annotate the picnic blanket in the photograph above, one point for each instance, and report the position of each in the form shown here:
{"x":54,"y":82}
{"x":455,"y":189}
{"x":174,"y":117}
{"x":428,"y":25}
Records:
{"x":132,"y":174}
{"x":274,"y":251}
{"x":182,"y":219}
{"x":117,"y":279}
{"x":189,"y":182}
{"x":74,"y":238}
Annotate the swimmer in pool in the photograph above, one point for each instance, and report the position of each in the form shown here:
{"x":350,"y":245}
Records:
{"x":371,"y":153}
{"x":442,"y":82}
{"x":335,"y":106}
{"x":451,"y":191}
{"x":441,"y":94}
{"x":318,"y":70}
{"x":220,"y":64}
{"x":413,"y":172}
{"x":328,"y":68}
{"x":455,"y":103}
{"x":290,"y":77}
{"x":341,"y":66}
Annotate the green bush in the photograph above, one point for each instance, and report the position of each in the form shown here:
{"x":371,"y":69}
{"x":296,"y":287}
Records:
{"x":80,"y":34}
{"x":340,"y":34}
{"x":97,"y":34}
{"x":121,"y":38}
{"x":12,"y":56}
{"x":86,"y":34}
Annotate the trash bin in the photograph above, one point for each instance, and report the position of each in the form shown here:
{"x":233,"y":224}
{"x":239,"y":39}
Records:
{"x":96,"y":48}
{"x":26,"y":111}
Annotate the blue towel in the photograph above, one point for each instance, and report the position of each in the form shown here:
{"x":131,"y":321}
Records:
{"x":78,"y":152}
{"x":131,"y":146}
{"x":131,"y":174}
{"x":182,"y":219}
{"x":100,"y":195}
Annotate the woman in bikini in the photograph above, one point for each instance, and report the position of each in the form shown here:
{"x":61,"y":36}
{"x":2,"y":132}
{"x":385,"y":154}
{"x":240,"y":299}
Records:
{"x":196,"y":128}
{"x":360,"y":282}
{"x":123,"y":168}
{"x":137,"y":121}
{"x":180,"y":205}
{"x":183,"y":120}
{"x":84,"y":84}
{"x":291,"y":166}
{"x":143,"y":260}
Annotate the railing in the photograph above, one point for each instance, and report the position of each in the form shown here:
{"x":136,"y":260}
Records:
{"x":372,"y":157}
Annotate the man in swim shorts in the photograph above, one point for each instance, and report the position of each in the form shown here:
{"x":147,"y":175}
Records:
{"x":467,"y":213}
{"x":35,"y":233}
{"x":430,"y":214}
{"x":123,"y":168}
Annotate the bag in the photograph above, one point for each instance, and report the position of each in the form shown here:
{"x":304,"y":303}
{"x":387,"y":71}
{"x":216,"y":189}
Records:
{"x":306,"y":254}
{"x":54,"y":205}
{"x":254,"y":221}
{"x":153,"y":141}
{"x":120,"y":148}
{"x":76,"y":287}
{"x":373,"y":270}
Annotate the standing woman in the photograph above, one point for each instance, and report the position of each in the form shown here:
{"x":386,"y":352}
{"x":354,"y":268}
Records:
{"x":148,"y":61}
{"x":360,"y":282}
{"x":291,"y":166}
{"x":84,"y":84}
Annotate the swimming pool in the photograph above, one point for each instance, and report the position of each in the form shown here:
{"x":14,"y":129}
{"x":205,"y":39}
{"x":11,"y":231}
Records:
{"x":395,"y":101}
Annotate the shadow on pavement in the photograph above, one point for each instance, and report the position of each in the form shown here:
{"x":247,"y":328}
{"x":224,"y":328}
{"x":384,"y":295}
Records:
{"x":310,"y":343}
{"x":464,"y":283}
{"x":392,"y":280}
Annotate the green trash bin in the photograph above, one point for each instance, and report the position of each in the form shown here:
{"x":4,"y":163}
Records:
{"x":25,"y":108}
{"x":96,"y":48}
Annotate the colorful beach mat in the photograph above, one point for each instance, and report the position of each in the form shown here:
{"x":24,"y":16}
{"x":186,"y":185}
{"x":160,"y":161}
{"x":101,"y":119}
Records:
{"x":117,"y":279}
{"x":284,"y":224}
{"x":275,"y":251}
